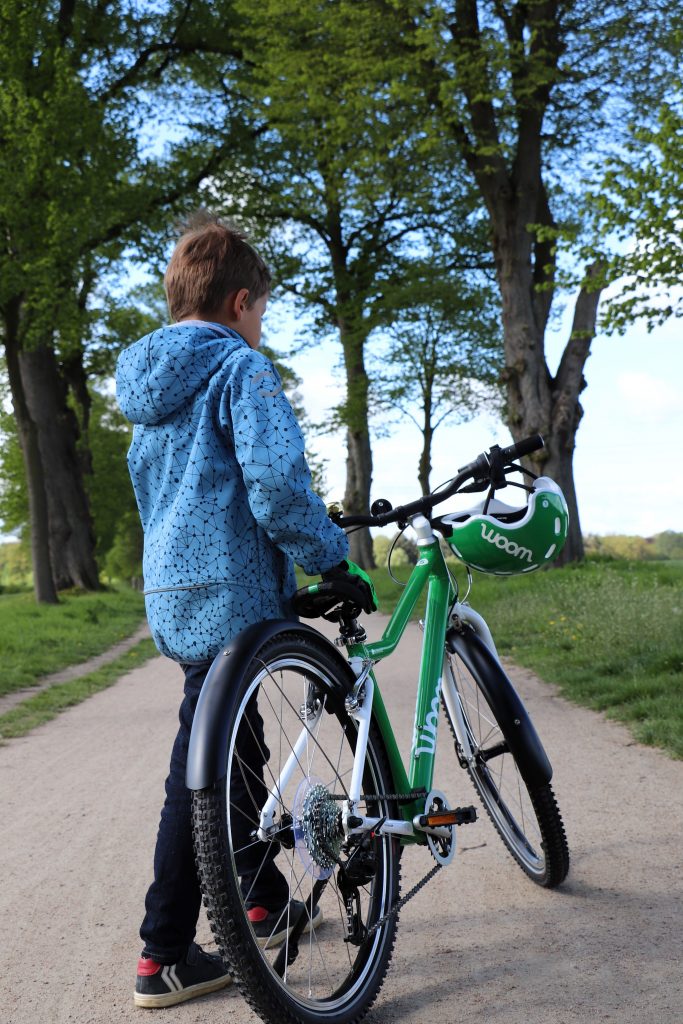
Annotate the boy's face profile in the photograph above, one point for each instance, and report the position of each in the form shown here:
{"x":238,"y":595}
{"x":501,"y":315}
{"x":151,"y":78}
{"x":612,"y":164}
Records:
{"x":241,"y":317}
{"x":249,"y":321}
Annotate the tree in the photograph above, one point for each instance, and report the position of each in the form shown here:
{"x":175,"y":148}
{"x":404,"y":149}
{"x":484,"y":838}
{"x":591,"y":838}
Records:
{"x":668,"y":544}
{"x":443,"y":360}
{"x":530,"y":94}
{"x":76,"y":188}
{"x":339,"y":196}
{"x":13,"y":496}
{"x":639,"y":202}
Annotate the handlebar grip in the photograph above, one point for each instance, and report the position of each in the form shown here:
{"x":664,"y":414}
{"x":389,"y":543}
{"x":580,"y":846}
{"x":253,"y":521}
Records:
{"x":522,"y":448}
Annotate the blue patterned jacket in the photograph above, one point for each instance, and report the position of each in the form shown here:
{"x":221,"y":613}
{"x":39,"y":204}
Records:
{"x":222,"y":485}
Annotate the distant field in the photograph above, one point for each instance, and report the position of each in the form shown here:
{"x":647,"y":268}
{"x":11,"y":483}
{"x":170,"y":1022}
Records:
{"x":610,"y":635}
{"x":36,"y":640}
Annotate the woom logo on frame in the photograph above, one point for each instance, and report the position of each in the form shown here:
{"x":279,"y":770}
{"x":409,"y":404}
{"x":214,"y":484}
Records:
{"x":499,"y":541}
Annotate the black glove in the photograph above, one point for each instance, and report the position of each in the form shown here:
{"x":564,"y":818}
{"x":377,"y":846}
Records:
{"x":352,"y":574}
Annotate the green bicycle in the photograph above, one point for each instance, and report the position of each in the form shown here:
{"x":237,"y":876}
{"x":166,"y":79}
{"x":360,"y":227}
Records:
{"x":334,"y":801}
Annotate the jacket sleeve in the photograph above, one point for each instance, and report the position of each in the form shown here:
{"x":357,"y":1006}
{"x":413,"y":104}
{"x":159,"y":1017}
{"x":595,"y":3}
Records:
{"x":269,"y":447}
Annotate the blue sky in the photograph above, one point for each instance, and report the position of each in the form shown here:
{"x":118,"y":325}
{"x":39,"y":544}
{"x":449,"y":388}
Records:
{"x":628,"y":462}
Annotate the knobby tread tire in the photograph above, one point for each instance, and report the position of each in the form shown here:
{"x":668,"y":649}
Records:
{"x":555,"y":846}
{"x":553,"y":836}
{"x":252,"y":976}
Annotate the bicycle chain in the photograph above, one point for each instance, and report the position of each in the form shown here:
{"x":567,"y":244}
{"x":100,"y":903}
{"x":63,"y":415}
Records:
{"x":404,"y":899}
{"x":406,"y":797}
{"x":419,"y":794}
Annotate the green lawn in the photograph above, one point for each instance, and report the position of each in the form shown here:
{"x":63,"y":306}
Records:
{"x":609,"y":634}
{"x":38,"y":639}
{"x":47,"y":704}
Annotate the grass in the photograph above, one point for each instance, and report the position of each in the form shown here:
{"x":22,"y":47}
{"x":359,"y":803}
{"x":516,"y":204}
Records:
{"x":609,"y":634}
{"x":48,"y":703}
{"x":39,"y":639}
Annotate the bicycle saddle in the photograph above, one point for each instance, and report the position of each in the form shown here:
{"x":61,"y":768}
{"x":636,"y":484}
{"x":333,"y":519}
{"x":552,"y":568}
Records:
{"x":320,"y":600}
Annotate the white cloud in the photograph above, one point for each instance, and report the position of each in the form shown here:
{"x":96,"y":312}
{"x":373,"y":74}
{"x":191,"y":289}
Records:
{"x":649,"y":396}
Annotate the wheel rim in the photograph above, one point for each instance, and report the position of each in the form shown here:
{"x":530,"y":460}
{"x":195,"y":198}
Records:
{"x":496,"y":777}
{"x":327,"y":971}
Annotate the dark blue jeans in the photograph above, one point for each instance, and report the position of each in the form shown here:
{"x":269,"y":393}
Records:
{"x":174,"y":898}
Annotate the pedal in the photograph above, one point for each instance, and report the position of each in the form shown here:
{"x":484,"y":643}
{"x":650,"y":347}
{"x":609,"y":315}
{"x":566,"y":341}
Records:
{"x":448,"y":816}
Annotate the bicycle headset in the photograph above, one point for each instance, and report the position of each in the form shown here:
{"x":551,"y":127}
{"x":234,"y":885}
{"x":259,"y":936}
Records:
{"x":504,"y":541}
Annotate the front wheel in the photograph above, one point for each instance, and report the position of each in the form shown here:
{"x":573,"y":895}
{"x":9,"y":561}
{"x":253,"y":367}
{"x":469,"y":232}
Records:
{"x":525,"y":815}
{"x":289,"y":765}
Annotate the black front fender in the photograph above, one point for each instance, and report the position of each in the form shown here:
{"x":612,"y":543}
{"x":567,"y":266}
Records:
{"x":208,"y":751}
{"x":511,"y":715}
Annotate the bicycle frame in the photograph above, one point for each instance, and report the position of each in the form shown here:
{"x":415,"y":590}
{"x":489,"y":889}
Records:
{"x":366,"y":699}
{"x":430,"y":572}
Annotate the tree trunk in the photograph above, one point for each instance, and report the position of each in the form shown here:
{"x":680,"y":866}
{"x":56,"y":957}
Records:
{"x":539,"y":403}
{"x":357,"y":495}
{"x":359,"y":452}
{"x":76,"y":379}
{"x":567,"y":412}
{"x":516,"y":197}
{"x":559,"y":466}
{"x":43,"y":581}
{"x":424,"y":468}
{"x":72,"y":541}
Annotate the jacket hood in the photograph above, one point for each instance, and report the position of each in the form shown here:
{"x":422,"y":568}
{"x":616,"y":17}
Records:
{"x":163,"y":371}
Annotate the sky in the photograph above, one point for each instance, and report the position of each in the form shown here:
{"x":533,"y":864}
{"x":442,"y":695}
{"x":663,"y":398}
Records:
{"x":628,"y":462}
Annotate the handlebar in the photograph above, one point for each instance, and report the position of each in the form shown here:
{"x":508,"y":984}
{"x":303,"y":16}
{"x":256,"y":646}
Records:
{"x":487,"y":470}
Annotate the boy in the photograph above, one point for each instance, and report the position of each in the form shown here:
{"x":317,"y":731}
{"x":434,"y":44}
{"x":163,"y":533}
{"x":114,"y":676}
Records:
{"x":223,"y":489}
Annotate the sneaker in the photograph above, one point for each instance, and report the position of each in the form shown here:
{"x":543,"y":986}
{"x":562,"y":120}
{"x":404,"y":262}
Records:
{"x":272,"y":927}
{"x":196,"y":974}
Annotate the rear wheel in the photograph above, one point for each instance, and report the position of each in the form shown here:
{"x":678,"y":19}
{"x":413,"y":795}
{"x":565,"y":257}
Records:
{"x":526,"y":817}
{"x":282,"y":713}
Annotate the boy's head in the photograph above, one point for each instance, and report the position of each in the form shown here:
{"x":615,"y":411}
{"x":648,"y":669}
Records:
{"x":213,"y":269}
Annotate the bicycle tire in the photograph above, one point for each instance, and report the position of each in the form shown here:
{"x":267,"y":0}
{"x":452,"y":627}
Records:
{"x":330,"y":980}
{"x":525,"y":815}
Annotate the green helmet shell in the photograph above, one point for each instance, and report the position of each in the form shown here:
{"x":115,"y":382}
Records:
{"x":534,"y":538}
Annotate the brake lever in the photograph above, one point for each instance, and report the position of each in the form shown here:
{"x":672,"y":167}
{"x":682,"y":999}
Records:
{"x":480,"y":485}
{"x":496,"y":468}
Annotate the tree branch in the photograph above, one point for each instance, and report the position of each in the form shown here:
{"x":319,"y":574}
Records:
{"x":173,"y":46}
{"x":65,"y":20}
{"x":545,"y":261}
{"x":568,"y":382}
{"x":485,"y":159}
{"x":532,"y":85}
{"x":164,"y":198}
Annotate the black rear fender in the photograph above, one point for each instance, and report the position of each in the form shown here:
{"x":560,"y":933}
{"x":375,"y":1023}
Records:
{"x":207,"y":755}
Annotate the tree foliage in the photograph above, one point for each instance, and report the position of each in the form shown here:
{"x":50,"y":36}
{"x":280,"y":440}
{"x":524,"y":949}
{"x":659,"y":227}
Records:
{"x":531,"y":95}
{"x":340,"y":187}
{"x":640,"y":204}
{"x":666,"y":545}
{"x":79,"y":182}
{"x":443,"y":360}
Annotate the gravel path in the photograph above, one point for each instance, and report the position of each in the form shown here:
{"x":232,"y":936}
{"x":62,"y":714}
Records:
{"x":80,"y":799}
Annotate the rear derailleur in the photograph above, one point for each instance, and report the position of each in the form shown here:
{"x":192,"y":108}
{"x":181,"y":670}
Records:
{"x":359,"y":869}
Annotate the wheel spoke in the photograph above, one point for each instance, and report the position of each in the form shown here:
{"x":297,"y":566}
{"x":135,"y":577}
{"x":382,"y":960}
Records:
{"x":501,"y":787}
{"x":309,"y":792}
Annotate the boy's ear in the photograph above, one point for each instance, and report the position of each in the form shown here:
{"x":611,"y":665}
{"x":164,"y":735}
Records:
{"x":239,"y":303}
